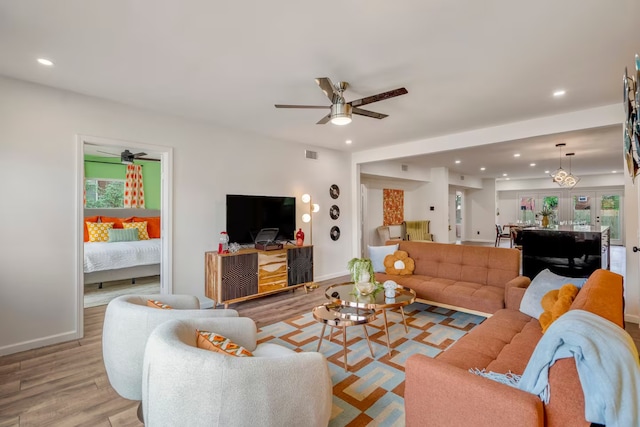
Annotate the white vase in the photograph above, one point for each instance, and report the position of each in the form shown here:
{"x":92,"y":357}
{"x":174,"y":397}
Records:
{"x":364,"y":277}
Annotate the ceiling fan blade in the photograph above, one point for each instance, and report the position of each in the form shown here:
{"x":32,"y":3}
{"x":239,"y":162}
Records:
{"x":324,"y":120}
{"x":328,"y":88}
{"x":111,"y":154}
{"x":300,"y":106}
{"x":137,"y":155}
{"x":368,"y":113}
{"x":147,"y":159}
{"x":379,"y":97}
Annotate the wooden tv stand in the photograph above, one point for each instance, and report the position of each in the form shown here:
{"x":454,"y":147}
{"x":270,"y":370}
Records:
{"x":251,"y":273}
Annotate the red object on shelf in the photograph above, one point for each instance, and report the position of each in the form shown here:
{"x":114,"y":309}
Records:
{"x":300,"y":237}
{"x":223,"y":245}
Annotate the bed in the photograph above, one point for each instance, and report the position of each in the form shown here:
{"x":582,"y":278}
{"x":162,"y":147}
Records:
{"x":108,"y":261}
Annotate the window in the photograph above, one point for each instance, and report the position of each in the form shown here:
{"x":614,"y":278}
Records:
{"x":104,"y":193}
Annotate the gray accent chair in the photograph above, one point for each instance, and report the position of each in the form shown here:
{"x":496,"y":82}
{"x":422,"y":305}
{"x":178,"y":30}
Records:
{"x":128,"y":322}
{"x":184,"y":385}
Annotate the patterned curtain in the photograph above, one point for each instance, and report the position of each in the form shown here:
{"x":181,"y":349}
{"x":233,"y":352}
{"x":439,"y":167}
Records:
{"x":133,"y":188}
{"x":392,"y":207}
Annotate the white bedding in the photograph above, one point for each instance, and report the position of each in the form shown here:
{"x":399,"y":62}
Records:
{"x":99,"y":256}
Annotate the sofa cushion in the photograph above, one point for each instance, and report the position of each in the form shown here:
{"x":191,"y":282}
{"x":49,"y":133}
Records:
{"x":501,"y":343}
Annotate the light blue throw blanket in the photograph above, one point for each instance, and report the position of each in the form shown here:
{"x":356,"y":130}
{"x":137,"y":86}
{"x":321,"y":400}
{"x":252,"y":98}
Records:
{"x":607,"y":363}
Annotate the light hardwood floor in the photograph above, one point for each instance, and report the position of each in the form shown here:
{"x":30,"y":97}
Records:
{"x":66,"y":384}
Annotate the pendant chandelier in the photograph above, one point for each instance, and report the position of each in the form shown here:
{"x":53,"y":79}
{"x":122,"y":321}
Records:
{"x":560,"y":176}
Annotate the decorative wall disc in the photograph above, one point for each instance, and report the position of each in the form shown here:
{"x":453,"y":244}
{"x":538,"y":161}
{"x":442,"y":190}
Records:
{"x":335,"y":233}
{"x":334,"y":191}
{"x":334,"y":212}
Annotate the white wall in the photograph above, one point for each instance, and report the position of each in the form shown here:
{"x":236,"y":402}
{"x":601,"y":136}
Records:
{"x":38,"y":128}
{"x":480,"y":212}
{"x":436,"y":194}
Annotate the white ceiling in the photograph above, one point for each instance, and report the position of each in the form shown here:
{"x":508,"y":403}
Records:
{"x":466,"y":64}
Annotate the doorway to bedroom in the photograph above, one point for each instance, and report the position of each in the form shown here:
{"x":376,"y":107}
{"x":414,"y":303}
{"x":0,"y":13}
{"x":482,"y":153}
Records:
{"x":123,"y":205}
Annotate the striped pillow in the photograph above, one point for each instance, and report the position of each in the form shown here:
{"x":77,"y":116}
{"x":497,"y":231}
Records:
{"x":123,"y":235}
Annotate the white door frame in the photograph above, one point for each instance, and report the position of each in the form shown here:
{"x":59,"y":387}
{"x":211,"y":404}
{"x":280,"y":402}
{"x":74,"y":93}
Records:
{"x":166,"y":195}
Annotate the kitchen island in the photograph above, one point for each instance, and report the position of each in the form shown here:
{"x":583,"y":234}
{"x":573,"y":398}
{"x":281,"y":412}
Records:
{"x":567,"y":250}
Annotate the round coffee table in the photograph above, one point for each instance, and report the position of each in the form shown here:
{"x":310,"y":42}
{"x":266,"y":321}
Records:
{"x":342,"y":317}
{"x":345,"y":294}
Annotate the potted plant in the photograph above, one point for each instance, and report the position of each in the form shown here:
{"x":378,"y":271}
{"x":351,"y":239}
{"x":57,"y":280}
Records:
{"x":546,"y":212}
{"x":362,"y":275}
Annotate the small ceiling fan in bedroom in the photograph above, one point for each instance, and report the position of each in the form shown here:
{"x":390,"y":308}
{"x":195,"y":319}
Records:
{"x":341,"y":111}
{"x":127,"y":157}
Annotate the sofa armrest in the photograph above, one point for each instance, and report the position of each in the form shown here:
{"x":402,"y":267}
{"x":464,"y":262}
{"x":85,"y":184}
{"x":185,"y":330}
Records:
{"x":520,"y":282}
{"x":437,"y":393}
{"x":514,"y":297}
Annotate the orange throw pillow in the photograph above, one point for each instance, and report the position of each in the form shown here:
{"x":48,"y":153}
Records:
{"x":219,"y":344}
{"x":153,"y":225}
{"x":158,"y":304}
{"x":556,"y":303}
{"x":399,"y":263}
{"x":86,"y":220}
{"x":117,"y":222}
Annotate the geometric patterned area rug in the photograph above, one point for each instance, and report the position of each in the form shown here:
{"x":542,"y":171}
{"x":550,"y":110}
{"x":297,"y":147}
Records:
{"x":371,"y":393}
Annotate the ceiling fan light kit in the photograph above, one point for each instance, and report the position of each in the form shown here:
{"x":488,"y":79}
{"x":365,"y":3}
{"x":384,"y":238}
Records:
{"x":342,"y":111}
{"x":341,"y":114}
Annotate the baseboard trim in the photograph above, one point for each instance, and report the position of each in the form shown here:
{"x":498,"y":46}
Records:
{"x":478,"y":241}
{"x":39,"y":342}
{"x":632,"y":318}
{"x":454,"y":307}
{"x":331,"y":276}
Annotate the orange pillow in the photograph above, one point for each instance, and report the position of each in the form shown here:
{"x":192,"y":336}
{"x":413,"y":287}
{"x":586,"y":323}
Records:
{"x":556,"y":303}
{"x":399,"y":263}
{"x":153,"y":225}
{"x":117,"y":222}
{"x":219,"y":344}
{"x":86,"y":220}
{"x":158,"y":304}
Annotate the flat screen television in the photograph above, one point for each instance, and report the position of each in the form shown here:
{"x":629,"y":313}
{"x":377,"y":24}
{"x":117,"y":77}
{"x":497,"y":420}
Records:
{"x":247,"y":215}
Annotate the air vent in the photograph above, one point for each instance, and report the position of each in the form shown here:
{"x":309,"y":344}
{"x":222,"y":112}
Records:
{"x":461,"y":177}
{"x":311,"y":154}
{"x":405,"y":168}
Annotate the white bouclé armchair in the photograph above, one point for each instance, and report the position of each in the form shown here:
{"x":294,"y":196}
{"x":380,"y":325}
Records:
{"x":128,"y":322}
{"x":184,"y":385}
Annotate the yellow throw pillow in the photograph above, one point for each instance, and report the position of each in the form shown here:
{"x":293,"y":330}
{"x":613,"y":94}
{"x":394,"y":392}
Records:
{"x":556,"y":303}
{"x":141,"y":226}
{"x":158,"y":304}
{"x":399,"y":263}
{"x":219,"y":344}
{"x":99,"y":231}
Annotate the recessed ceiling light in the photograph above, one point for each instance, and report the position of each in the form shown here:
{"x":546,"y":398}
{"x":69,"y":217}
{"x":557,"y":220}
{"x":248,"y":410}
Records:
{"x":613,"y":171}
{"x":516,"y":155}
{"x":546,"y":171}
{"x":508,"y":179}
{"x":457,"y":162}
{"x":348,"y":141}
{"x":46,"y":62}
{"x":559,"y":93}
{"x":482,"y":169}
{"x":532,"y":164}
{"x":504,"y":174}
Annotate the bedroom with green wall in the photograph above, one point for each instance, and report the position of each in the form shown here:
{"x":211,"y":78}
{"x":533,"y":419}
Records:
{"x":111,"y":168}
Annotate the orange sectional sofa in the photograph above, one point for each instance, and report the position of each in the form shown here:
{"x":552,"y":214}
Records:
{"x":442,"y":392}
{"x":475,"y":278}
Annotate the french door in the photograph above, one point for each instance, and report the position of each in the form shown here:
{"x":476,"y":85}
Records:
{"x":599,"y":208}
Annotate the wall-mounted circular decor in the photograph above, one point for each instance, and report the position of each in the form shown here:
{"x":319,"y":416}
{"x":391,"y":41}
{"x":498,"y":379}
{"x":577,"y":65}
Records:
{"x":335,"y":233}
{"x":334,"y":212}
{"x":334,"y":191}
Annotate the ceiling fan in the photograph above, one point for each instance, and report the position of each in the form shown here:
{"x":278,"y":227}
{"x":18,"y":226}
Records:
{"x":341,"y":111}
{"x":127,"y":157}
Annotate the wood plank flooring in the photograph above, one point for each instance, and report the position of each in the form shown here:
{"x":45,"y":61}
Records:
{"x":66,"y":384}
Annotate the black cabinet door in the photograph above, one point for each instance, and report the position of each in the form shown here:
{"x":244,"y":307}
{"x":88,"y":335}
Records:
{"x":239,"y":276}
{"x":299,"y":265}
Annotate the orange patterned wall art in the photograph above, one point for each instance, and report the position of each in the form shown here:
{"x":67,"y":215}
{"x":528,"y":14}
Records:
{"x":392,"y":206}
